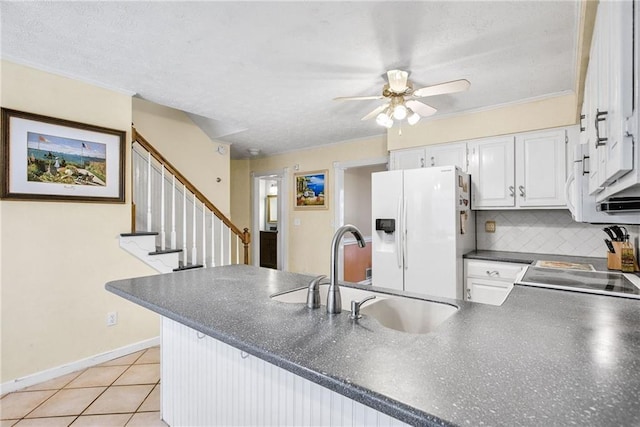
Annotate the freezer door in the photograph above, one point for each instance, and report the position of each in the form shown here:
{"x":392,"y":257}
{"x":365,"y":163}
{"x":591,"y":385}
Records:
{"x":431,"y":231}
{"x":386,"y":254}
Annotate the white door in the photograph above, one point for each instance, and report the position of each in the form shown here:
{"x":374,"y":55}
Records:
{"x":408,"y":159}
{"x":447,"y":154}
{"x":387,"y":267}
{"x":430,"y":231}
{"x":492,"y":172}
{"x":541,"y":168}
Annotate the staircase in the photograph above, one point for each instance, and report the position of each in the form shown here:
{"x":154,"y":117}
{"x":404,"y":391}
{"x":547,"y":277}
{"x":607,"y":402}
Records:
{"x":173,"y":225}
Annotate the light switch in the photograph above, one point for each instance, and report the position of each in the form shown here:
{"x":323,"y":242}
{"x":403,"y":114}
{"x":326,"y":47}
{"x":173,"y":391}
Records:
{"x":296,"y":221}
{"x":490,"y":226}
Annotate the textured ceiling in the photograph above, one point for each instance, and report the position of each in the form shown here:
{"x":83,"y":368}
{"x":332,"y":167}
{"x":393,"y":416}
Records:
{"x":263,"y":74}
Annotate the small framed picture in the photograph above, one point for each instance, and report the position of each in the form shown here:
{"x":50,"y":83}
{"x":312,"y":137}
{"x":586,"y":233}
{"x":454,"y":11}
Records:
{"x":311,"y":190}
{"x":49,"y":159}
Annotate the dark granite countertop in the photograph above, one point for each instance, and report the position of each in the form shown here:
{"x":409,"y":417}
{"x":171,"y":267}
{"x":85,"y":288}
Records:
{"x":544,"y":357}
{"x":600,"y":264}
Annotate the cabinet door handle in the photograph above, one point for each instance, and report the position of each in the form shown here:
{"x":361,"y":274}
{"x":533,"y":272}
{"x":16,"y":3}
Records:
{"x":433,"y":161}
{"x":422,"y":163}
{"x":468,"y":294}
{"x":584,"y":164}
{"x":601,"y":116}
{"x":493,"y":273}
{"x":582,"y":128}
{"x":512,"y":191}
{"x":521,"y":188}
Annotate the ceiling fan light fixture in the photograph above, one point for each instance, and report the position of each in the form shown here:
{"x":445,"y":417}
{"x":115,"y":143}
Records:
{"x":399,"y":112}
{"x":397,"y":80}
{"x":383,"y":119}
{"x":413,"y":118}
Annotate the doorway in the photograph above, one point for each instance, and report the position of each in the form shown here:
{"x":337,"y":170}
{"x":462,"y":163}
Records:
{"x":269,"y":219}
{"x":353,"y":206}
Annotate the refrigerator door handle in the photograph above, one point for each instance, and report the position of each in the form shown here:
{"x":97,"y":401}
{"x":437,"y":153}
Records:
{"x":398,"y":234}
{"x":404,"y":236}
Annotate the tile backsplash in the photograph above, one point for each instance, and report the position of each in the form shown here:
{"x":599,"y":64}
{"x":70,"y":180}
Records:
{"x":543,"y":231}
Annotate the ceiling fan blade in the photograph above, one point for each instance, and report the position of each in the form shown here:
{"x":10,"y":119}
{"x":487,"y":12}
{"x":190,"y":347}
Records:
{"x":397,"y":80}
{"x":422,"y":109}
{"x":442,"y":88}
{"x":375,"y":112}
{"x":357,"y":98}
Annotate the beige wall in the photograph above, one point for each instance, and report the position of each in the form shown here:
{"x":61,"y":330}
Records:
{"x":309,"y":243}
{"x":56,"y":257}
{"x":241,"y":195}
{"x":188,"y":148}
{"x":540,"y":114}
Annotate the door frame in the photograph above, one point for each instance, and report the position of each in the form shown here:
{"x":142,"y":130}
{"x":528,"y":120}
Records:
{"x":338,"y":197}
{"x":282,"y":176}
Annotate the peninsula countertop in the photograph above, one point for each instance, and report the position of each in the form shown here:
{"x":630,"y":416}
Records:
{"x":544,"y":357}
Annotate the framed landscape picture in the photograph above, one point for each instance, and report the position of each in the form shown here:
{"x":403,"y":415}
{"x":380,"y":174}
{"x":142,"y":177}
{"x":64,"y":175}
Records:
{"x":311,"y":190}
{"x":45,"y":158}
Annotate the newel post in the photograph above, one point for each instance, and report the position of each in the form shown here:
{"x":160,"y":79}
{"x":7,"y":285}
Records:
{"x":246,"y":239}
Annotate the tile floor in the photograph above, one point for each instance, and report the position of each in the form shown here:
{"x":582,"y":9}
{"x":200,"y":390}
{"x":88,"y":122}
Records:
{"x":121,"y":392}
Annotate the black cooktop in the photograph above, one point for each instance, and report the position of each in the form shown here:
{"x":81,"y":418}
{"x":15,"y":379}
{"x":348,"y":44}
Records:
{"x":597,"y":282}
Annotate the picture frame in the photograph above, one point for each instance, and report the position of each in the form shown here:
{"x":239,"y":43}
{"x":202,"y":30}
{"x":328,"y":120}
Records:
{"x":311,"y":190}
{"x":50,"y":159}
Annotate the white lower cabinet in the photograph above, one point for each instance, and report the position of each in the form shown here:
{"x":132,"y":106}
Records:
{"x":206,"y":382}
{"x":489,"y":282}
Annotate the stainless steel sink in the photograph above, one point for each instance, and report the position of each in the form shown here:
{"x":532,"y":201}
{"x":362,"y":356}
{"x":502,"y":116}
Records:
{"x":401,"y":314}
{"x":409,"y":315}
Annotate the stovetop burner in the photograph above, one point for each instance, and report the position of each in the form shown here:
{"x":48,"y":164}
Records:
{"x":598,"y":282}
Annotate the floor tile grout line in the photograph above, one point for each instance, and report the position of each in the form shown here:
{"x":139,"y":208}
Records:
{"x":47,"y":399}
{"x":145,"y":398}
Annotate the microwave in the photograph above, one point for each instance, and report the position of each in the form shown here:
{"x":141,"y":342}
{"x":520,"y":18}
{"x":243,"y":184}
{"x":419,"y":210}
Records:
{"x":585,"y":207}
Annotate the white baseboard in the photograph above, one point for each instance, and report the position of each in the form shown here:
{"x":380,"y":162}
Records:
{"x":49,"y":374}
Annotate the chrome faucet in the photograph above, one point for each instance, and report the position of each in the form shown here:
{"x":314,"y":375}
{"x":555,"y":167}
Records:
{"x":334,"y":303}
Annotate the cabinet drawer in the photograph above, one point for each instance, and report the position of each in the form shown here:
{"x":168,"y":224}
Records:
{"x":506,"y":271}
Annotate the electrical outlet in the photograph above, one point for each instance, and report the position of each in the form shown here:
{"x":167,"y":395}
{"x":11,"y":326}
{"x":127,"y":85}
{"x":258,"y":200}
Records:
{"x":112,"y":318}
{"x":490,"y":226}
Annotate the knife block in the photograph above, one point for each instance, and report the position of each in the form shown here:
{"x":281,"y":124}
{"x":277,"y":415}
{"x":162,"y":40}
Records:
{"x":614,"y":261}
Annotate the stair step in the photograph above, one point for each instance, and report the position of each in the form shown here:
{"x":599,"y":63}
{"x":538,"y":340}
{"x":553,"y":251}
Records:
{"x":159,"y":251}
{"x":139,"y":233}
{"x":187,"y":267}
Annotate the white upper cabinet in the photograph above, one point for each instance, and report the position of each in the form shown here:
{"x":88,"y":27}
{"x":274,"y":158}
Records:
{"x":541,"y":168}
{"x":526,"y":170}
{"x":608,"y":100}
{"x":411,"y":158}
{"x":447,"y":154}
{"x":492,"y":172}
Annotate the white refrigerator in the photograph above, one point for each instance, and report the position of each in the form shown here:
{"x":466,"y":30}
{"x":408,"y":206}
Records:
{"x":422,"y":225}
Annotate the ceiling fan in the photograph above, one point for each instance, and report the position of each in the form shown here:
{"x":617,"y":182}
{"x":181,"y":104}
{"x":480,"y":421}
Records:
{"x":402,"y":97}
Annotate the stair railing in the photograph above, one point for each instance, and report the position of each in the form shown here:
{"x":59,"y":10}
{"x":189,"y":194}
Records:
{"x":163,"y":196}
